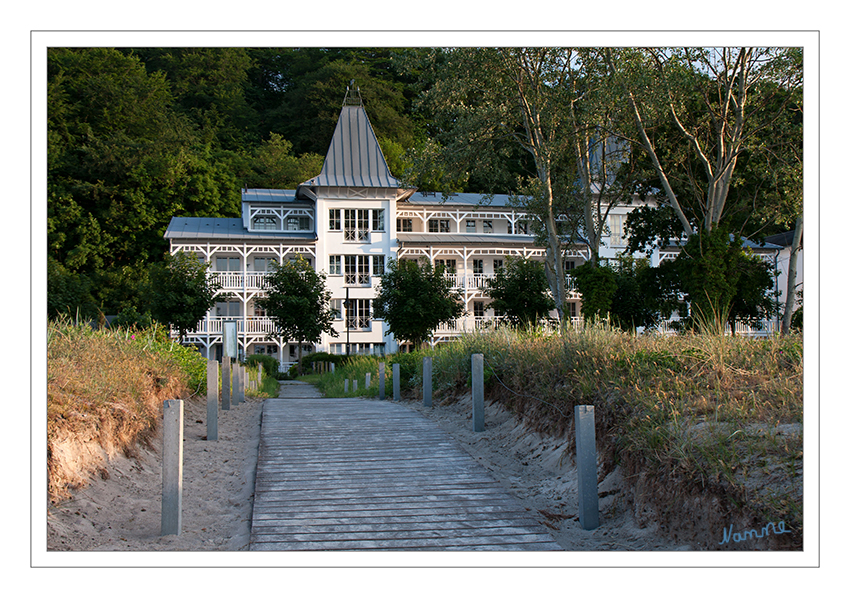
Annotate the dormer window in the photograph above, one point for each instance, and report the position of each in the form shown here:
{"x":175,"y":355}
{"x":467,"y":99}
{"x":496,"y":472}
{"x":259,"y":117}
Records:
{"x":298,"y":223}
{"x":265,"y":222}
{"x":280,"y":219}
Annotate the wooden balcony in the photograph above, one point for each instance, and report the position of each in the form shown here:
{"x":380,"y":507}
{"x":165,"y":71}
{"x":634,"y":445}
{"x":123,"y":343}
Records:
{"x":236,"y":281}
{"x":256,"y":325}
{"x":473,"y":282}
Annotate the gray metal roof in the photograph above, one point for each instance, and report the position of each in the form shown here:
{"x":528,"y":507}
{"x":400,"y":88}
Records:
{"x":354,"y":157}
{"x":230,"y":229}
{"x":461,"y":199}
{"x":268,"y":195}
{"x":746,"y":244}
{"x":459,"y":239}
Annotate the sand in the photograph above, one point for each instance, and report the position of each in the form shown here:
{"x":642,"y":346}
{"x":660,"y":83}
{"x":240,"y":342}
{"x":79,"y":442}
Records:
{"x":122,"y":512}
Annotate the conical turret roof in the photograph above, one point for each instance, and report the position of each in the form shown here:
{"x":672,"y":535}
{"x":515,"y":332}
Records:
{"x":354,"y":158}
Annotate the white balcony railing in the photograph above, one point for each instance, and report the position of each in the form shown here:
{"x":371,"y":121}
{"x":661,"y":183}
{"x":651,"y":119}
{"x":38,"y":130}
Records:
{"x":249,"y":324}
{"x":762,"y":329}
{"x":238,"y":280}
{"x":479,"y":281}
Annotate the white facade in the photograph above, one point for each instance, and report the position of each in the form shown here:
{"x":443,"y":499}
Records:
{"x":348,"y":222}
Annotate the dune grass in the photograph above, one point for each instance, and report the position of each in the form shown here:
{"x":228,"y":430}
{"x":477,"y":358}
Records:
{"x":693,"y":413}
{"x":105,"y":390}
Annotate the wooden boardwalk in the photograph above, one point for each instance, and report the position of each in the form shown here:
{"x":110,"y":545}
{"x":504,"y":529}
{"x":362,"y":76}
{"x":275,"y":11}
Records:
{"x":354,"y":474}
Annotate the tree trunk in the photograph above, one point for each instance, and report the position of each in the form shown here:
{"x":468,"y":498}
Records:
{"x":554,"y":254}
{"x":300,"y":369}
{"x":790,"y":292}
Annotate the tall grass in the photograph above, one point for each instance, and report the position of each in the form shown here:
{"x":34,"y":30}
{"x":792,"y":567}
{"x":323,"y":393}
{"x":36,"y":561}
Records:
{"x":692,"y":413}
{"x":104,"y":395}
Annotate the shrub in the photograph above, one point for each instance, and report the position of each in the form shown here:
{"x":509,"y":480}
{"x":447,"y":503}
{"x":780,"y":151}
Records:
{"x":271,"y":365}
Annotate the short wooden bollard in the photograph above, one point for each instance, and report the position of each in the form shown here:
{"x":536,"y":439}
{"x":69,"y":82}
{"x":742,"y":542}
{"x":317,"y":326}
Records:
{"x":355,"y":386}
{"x":333,"y":367}
{"x":172,"y":467}
{"x":368,"y":380}
{"x":478,"y":392}
{"x":234,"y":384}
{"x":396,"y":382}
{"x":225,"y":384}
{"x":239,"y":384}
{"x":346,"y":386}
{"x":588,"y":493}
{"x":212,"y":399}
{"x":382,"y":375}
{"x":426,"y":381}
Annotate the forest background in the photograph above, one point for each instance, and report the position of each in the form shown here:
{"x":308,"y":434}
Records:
{"x":138,"y":135}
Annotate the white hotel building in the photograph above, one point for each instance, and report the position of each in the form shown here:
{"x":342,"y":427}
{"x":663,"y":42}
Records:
{"x":348,"y":222}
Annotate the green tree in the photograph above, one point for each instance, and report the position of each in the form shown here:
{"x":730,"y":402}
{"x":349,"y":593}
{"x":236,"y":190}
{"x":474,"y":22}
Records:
{"x":721,"y":103}
{"x":299,"y":303}
{"x":538,"y":121}
{"x":123,"y":158}
{"x":180,"y":292}
{"x":274,"y":167}
{"x":597,"y":286}
{"x":722,"y":281}
{"x":68,"y":293}
{"x":414,"y":298}
{"x":520,"y":292}
{"x":632,"y":304}
{"x":310,"y":104}
{"x":209,"y":86}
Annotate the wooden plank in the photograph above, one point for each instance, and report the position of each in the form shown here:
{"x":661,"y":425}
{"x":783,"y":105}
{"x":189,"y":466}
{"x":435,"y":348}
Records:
{"x":352,"y":474}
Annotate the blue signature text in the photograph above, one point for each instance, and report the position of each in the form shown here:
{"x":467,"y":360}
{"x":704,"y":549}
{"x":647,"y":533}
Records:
{"x":770,"y":528}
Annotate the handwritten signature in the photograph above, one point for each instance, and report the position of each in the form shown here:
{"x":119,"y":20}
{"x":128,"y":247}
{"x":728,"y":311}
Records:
{"x":775,"y":528}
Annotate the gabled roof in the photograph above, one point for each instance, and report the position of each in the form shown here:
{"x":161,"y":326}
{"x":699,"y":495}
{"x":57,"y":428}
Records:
{"x":231,"y":229}
{"x":461,"y":239}
{"x":269,"y":195}
{"x":354,"y":158}
{"x":745,"y":243}
{"x":473,"y":200}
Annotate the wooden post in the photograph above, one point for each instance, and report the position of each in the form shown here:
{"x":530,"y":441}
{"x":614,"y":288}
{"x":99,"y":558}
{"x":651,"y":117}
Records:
{"x":396,"y":382}
{"x":346,"y":386}
{"x":355,"y":385}
{"x":239,"y":384}
{"x":225,"y":383}
{"x":588,"y":492}
{"x":382,"y":367}
{"x":478,"y":392}
{"x":212,"y":399}
{"x":172,"y":467}
{"x":426,"y":381}
{"x":368,"y":379}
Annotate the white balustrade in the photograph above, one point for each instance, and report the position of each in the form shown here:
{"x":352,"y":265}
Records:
{"x":237,"y":280}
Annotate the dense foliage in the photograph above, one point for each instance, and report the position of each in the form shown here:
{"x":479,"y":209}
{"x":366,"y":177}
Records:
{"x":136,"y":136}
{"x":520,"y":292}
{"x":180,"y":293}
{"x":414,"y":298}
{"x":298,"y":302}
{"x":139,"y":135}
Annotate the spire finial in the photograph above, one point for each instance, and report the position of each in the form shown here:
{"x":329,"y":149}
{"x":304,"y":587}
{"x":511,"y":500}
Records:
{"x":352,"y":95}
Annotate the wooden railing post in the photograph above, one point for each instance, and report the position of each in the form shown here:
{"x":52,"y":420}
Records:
{"x":478,"y":392}
{"x":426,"y":381}
{"x":172,"y":467}
{"x":225,"y":383}
{"x":382,"y":367}
{"x":212,"y":399}
{"x":588,"y":492}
